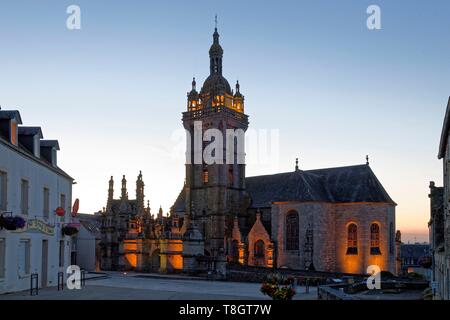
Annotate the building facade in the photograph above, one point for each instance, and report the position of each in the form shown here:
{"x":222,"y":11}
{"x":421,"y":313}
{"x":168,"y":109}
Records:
{"x":336,"y":219}
{"x":32,"y":187}
{"x":439,"y":224}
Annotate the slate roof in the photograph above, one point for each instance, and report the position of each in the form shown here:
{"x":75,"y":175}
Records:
{"x":414,"y":251}
{"x":179,"y":205}
{"x":124,"y":206}
{"x":444,"y":133}
{"x":91,"y":223}
{"x":50,"y":143}
{"x":334,"y":185}
{"x":11,"y":114}
{"x":30,"y":131}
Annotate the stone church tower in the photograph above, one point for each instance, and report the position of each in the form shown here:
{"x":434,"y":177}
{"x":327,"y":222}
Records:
{"x":215,"y":192}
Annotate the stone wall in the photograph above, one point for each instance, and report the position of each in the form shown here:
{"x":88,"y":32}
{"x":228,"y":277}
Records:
{"x":363,"y":215}
{"x":312,"y":215}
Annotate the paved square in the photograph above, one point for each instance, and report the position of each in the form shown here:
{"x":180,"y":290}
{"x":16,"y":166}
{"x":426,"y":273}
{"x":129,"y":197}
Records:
{"x":134,"y":286}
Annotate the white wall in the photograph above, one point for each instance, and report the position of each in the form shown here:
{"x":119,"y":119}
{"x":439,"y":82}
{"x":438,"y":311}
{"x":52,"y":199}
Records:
{"x":86,"y":247}
{"x":18,"y":167}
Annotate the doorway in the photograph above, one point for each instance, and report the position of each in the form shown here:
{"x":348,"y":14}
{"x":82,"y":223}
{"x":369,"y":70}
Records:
{"x":44,"y":266}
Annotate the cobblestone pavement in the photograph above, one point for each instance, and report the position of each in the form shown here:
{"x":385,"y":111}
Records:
{"x":133,"y":286}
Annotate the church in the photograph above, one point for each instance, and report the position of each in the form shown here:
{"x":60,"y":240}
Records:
{"x":334,"y":219}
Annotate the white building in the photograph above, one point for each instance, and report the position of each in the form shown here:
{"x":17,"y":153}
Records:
{"x":86,"y":243}
{"x":32,"y":186}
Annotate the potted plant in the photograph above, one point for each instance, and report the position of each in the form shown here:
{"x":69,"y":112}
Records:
{"x":278,"y":287}
{"x":12,"y":223}
{"x":69,"y":230}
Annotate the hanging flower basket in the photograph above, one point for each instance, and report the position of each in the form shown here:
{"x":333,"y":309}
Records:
{"x":278,"y":287}
{"x":69,"y":230}
{"x":12,"y":223}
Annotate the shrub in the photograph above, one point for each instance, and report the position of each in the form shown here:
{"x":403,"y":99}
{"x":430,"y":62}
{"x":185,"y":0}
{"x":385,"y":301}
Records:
{"x":278,"y":287}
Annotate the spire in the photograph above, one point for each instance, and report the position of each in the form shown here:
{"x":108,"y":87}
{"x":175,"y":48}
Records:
{"x":110,"y":193}
{"x":194,"y":85}
{"x":216,"y":54}
{"x":140,"y":193}
{"x":296,"y":164}
{"x":124,"y":188}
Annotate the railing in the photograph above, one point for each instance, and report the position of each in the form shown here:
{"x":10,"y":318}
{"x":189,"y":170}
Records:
{"x":34,"y":284}
{"x":60,"y":280}
{"x":83,"y":277}
{"x":214,"y":110}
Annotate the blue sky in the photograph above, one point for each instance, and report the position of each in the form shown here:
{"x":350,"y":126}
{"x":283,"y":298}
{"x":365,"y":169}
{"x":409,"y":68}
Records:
{"x":113,"y":92}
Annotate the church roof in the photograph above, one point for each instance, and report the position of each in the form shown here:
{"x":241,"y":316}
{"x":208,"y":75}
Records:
{"x":335,"y":185}
{"x":216,"y":84}
{"x":179,"y":205}
{"x":124,"y":206}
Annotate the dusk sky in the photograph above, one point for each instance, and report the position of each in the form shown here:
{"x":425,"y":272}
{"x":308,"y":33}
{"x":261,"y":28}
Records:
{"x":113,"y":92}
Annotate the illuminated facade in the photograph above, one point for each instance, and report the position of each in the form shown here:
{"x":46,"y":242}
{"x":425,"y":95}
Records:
{"x":336,"y":219}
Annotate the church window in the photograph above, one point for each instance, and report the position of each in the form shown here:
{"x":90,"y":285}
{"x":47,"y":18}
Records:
{"x":292,"y":232}
{"x":375,"y":239}
{"x":230,"y":174}
{"x":259,"y":248}
{"x":352,"y":239}
{"x":205,"y":175}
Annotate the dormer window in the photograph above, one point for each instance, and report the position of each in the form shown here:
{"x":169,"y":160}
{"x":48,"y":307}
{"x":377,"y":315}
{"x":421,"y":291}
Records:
{"x":13,"y":134}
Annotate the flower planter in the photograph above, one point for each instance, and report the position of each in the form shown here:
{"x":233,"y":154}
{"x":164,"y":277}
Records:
{"x":69,"y":231}
{"x":12,"y":223}
{"x":278,"y":287}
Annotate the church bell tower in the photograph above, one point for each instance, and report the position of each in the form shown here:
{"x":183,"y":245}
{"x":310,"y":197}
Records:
{"x":215,"y":191}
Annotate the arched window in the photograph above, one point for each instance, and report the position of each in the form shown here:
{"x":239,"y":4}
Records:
{"x":292,"y":238}
{"x":352,"y":239}
{"x":375,"y":239}
{"x":259,"y":248}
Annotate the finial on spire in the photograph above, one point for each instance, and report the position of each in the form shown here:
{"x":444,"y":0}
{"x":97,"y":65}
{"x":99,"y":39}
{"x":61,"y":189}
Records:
{"x":238,"y":86}
{"x":194,"y":84}
{"x":367,"y":159}
{"x":215,"y":20}
{"x":296,"y":164}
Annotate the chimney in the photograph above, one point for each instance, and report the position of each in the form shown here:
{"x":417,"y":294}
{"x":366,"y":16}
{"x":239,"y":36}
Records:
{"x":30,"y":139}
{"x":49,"y":149}
{"x":9,"y":120}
